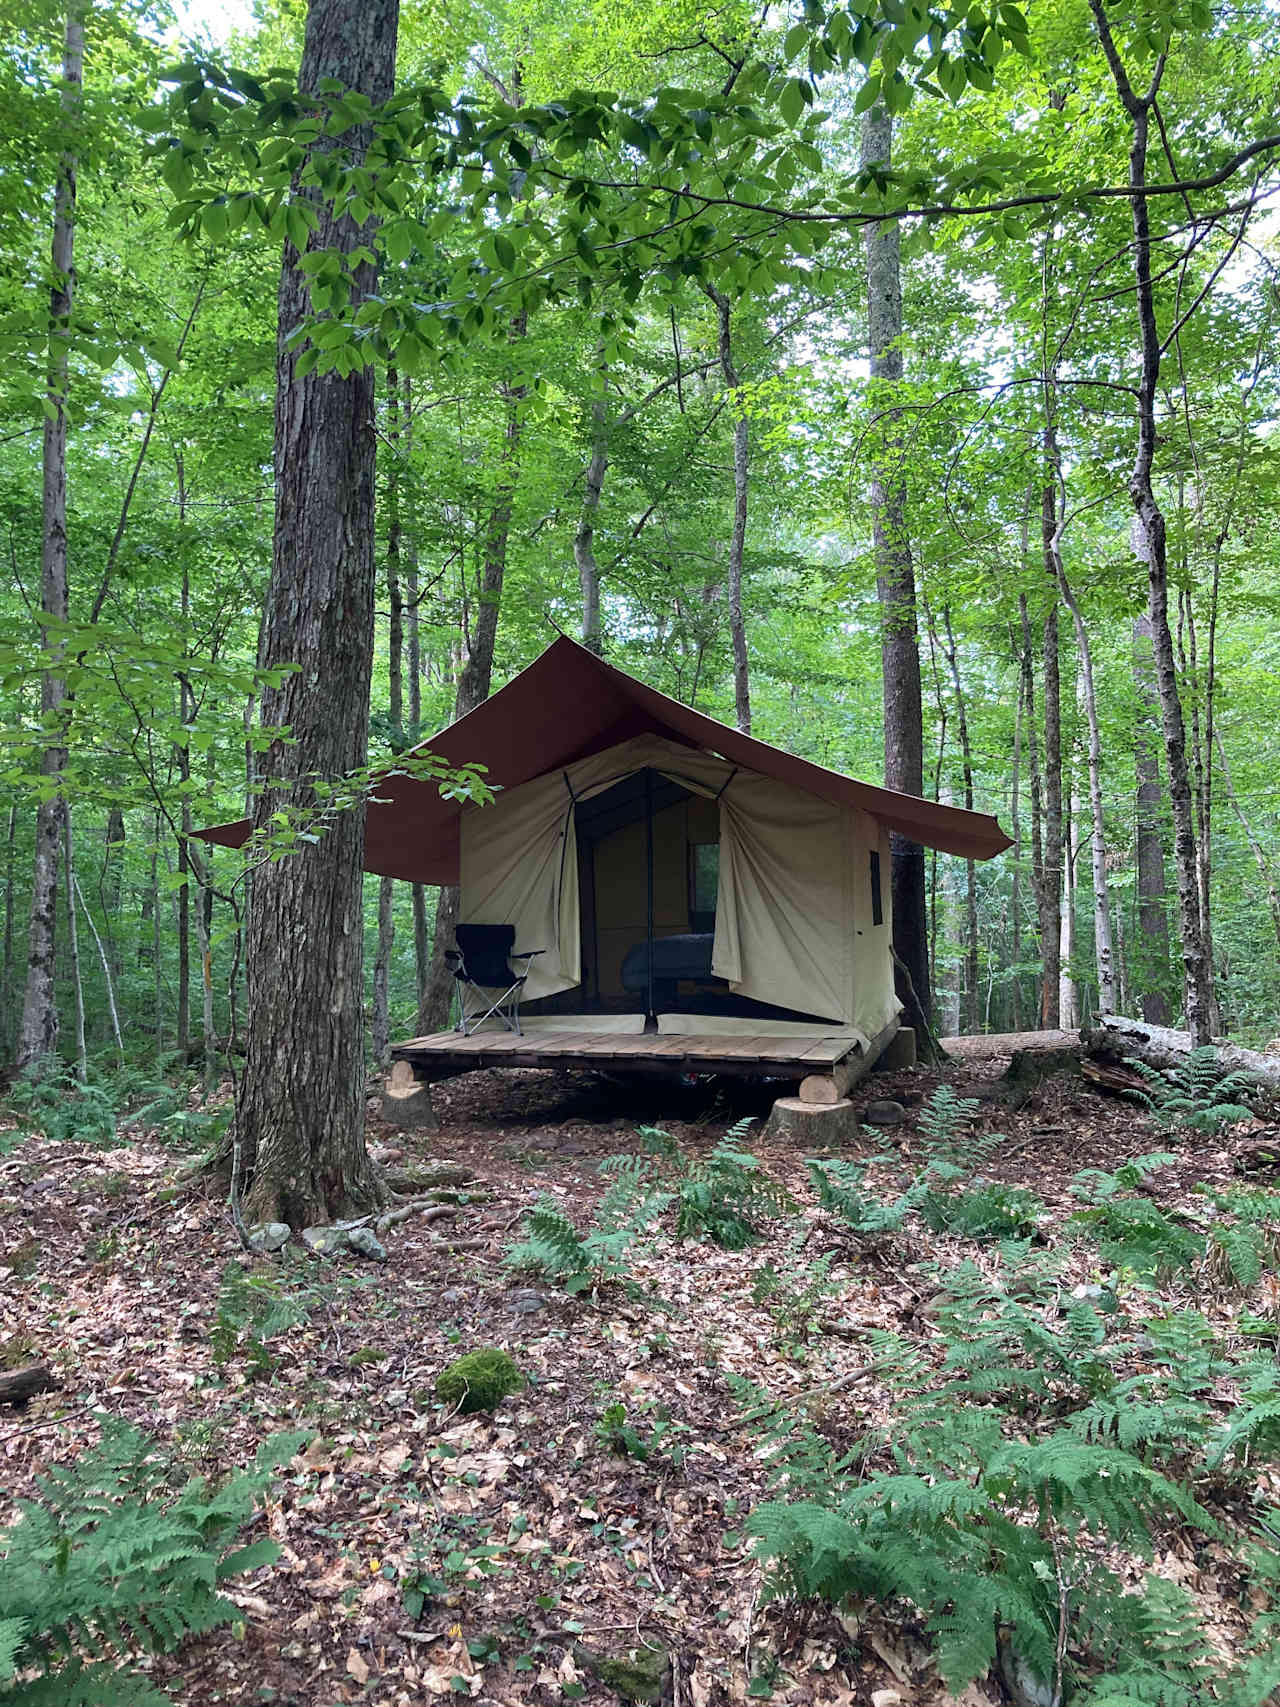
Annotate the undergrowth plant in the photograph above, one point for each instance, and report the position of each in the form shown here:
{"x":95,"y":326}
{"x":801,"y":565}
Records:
{"x":259,"y":1305}
{"x":722,"y":1196}
{"x":553,"y":1246}
{"x":947,"y":1192}
{"x":1194,"y":1096}
{"x":108,"y":1557}
{"x":794,"y":1294}
{"x":1048,"y":1441}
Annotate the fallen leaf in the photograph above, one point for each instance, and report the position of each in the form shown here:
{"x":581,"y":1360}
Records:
{"x":357,"y":1668}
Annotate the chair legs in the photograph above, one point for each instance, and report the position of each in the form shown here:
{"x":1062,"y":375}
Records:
{"x":506,"y":1009}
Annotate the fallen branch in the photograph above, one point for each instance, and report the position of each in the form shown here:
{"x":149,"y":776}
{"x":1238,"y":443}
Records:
{"x":424,"y":1206}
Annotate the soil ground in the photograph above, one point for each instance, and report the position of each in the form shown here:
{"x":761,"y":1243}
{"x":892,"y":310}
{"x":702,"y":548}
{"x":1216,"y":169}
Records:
{"x":542,"y":1536}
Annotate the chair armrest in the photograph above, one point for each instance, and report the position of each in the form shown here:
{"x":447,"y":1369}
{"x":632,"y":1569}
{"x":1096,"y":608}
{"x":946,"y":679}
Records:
{"x":452,"y":954}
{"x":526,"y":954}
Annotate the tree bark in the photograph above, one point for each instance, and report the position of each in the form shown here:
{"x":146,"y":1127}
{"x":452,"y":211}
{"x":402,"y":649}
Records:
{"x":738,"y":536}
{"x":301,"y":1108}
{"x":1149,"y":956}
{"x":1115,"y":1036}
{"x":895,"y":582}
{"x":73,"y":945}
{"x":969,"y":982}
{"x":1051,"y":889}
{"x":584,"y":555}
{"x":395,"y":704}
{"x":476,"y":676}
{"x":1138,"y":107}
{"x":38,"y":1032}
{"x":1104,"y":950}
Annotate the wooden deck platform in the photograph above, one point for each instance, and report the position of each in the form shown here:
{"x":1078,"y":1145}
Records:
{"x":447,"y":1053}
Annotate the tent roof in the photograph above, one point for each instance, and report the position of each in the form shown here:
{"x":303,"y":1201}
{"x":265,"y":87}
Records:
{"x":569,"y":704}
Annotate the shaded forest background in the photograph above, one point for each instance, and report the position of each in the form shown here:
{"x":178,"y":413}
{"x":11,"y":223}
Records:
{"x":663,"y":465}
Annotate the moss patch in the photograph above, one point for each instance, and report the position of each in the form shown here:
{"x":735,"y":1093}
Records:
{"x":479,"y":1381}
{"x":641,"y":1674}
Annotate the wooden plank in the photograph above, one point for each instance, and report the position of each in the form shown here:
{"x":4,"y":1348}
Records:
{"x":828,"y":1050}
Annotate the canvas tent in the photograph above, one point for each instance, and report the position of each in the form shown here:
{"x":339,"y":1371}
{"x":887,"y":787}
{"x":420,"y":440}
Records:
{"x":625,"y":819}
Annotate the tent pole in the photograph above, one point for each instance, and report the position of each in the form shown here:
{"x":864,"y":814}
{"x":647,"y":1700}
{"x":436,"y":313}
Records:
{"x":650,"y":1018}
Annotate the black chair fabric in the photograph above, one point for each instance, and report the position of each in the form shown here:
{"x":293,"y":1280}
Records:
{"x":485,"y":956}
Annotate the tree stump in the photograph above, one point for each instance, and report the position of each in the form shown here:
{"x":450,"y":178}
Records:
{"x":812,"y":1124}
{"x":406,"y":1100}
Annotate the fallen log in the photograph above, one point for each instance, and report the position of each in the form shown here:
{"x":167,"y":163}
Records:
{"x":17,"y":1386}
{"x":1114,"y":1037}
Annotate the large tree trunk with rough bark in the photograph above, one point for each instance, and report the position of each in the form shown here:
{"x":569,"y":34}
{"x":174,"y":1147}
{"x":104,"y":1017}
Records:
{"x":301,"y":1108}
{"x":895,"y":581}
{"x":38,"y":1031}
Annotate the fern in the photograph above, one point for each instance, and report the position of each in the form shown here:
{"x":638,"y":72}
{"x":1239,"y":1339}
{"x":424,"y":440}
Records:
{"x":841,"y":1188}
{"x":109,"y":1556}
{"x":723,"y":1196}
{"x":1195,"y":1096}
{"x":630,"y":1207}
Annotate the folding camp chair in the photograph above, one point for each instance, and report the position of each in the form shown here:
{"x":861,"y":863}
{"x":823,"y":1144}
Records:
{"x":482,"y":961}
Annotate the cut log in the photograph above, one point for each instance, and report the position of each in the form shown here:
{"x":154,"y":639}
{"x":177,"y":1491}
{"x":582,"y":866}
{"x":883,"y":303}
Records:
{"x":826,"y":1089}
{"x":17,"y":1386}
{"x":406,"y":1100}
{"x":1114,"y":1037}
{"x":811,"y":1123}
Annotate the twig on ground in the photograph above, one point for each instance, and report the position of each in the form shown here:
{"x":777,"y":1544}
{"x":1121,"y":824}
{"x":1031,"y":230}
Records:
{"x":423,"y":1206}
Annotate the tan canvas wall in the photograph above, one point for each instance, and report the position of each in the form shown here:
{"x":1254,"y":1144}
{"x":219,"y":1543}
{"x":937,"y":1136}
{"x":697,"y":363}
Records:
{"x":793,"y":924}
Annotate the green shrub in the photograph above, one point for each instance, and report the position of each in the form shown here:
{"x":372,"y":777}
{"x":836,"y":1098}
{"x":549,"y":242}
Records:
{"x":479,"y":1381}
{"x":109,"y":1556}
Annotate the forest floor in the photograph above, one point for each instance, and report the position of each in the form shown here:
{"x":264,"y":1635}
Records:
{"x":534,"y":1540}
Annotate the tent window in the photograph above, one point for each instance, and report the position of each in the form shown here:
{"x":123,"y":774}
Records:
{"x":704,"y":884}
{"x":877,"y":905}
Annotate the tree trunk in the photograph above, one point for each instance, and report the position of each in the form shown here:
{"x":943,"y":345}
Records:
{"x":1038,"y":875}
{"x":7,"y":981}
{"x":476,"y":676}
{"x":584,"y":555}
{"x":73,"y":946}
{"x":413,"y":638}
{"x":1068,"y":994}
{"x":1104,"y":951}
{"x":395,"y":695}
{"x":38,"y":1033}
{"x":111,"y":889}
{"x":969,"y":982}
{"x":895,"y":582}
{"x":1115,"y":1036}
{"x":1151,"y":519}
{"x":301,"y":1108}
{"x":1051,"y":891}
{"x":1202,"y":792}
{"x":738,"y":537}
{"x":1149,"y":955}
{"x":1015,"y":899}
